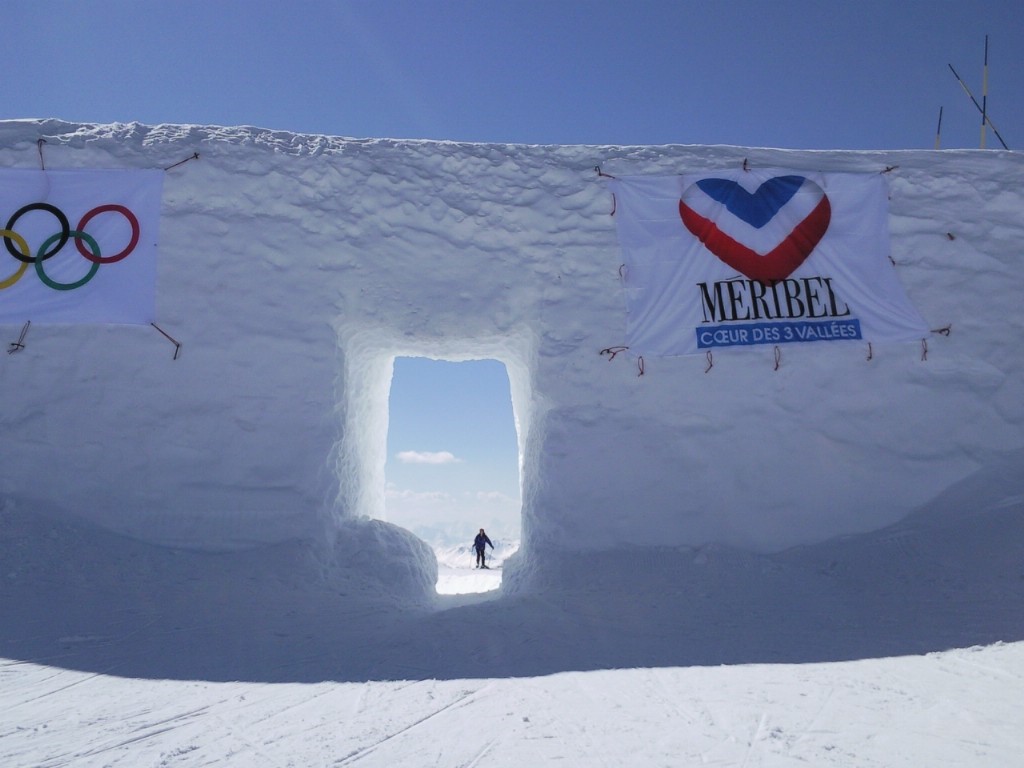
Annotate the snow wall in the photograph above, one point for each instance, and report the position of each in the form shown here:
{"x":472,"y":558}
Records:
{"x":294,"y":269}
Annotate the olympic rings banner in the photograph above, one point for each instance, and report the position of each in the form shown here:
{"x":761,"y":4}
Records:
{"x":761,"y":256}
{"x":79,"y":246}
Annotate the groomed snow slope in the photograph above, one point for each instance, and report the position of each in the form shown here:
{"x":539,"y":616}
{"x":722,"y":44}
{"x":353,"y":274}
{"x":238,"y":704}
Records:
{"x":899,"y":648}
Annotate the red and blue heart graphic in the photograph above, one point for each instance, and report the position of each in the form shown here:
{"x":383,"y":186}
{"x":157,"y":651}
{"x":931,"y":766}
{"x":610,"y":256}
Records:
{"x":757,"y":209}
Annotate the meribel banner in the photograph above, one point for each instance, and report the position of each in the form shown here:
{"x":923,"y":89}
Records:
{"x":79,"y":246}
{"x":768,"y":256}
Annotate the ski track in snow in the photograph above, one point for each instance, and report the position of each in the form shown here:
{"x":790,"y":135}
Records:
{"x":933,"y":710}
{"x":830,"y":655}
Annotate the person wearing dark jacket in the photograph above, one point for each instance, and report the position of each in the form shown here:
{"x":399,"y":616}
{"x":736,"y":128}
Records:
{"x":480,"y":545}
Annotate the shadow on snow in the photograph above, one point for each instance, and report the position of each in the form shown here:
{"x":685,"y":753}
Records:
{"x":77,"y":597}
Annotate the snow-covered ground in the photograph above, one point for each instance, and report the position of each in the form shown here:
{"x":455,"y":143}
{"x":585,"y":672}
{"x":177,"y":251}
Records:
{"x":467,"y":580}
{"x":955,"y":709}
{"x":900,"y":648}
{"x":457,"y":573}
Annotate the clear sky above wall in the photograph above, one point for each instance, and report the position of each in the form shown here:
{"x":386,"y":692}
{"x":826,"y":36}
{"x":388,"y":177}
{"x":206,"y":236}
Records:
{"x":794,"y":73}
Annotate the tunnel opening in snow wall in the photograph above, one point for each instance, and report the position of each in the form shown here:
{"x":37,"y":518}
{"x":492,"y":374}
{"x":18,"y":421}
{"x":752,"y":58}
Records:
{"x":433,"y":441}
{"x":452,"y":466}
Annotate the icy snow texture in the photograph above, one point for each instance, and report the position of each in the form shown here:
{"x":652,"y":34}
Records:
{"x":294,"y":269}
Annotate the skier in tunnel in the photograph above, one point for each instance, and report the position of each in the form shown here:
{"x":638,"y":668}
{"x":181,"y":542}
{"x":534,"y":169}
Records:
{"x":480,"y":545}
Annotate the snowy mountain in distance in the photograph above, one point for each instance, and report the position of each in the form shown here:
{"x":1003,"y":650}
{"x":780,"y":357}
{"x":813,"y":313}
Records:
{"x":463,"y":555}
{"x":456,"y":560}
{"x":453,"y":544}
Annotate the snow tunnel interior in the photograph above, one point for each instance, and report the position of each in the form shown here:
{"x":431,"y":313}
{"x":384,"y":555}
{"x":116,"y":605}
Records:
{"x":452,"y":465}
{"x":363,"y":451}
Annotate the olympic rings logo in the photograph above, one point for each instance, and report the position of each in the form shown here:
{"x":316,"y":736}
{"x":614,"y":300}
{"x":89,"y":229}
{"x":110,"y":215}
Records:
{"x":86,"y":244}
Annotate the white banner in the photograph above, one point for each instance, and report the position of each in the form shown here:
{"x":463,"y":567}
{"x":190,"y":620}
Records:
{"x":79,"y":246}
{"x":767,"y":256}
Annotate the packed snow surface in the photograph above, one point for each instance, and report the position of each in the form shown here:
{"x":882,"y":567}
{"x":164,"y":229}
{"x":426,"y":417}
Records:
{"x":901,"y":648}
{"x":817,"y":560}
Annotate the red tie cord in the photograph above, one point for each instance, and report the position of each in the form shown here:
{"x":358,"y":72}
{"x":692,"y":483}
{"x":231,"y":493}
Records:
{"x":612,"y":352}
{"x":17,"y":346}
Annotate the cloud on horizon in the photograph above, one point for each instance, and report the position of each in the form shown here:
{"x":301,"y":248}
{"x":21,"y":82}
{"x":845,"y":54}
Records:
{"x":427,"y":457}
{"x":424,"y":497}
{"x":394,"y":493}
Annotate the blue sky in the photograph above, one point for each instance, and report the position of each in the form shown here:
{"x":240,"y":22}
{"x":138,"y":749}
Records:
{"x":437,"y":402}
{"x":818,"y":74}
